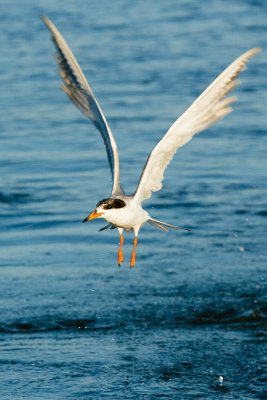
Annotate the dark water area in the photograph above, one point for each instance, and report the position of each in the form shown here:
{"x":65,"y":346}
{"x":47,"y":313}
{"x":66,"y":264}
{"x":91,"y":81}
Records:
{"x":189,"y":321}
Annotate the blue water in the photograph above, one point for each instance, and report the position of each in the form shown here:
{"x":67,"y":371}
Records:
{"x":72,"y":324}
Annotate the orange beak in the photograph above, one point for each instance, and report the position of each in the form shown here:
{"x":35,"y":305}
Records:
{"x":93,"y":215}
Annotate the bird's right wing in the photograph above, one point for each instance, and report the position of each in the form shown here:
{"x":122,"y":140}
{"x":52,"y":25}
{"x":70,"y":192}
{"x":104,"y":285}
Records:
{"x":208,"y":108}
{"x":77,"y":88}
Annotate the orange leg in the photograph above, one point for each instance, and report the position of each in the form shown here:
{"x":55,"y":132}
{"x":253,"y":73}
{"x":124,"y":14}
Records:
{"x":120,"y":253}
{"x":133,"y":253}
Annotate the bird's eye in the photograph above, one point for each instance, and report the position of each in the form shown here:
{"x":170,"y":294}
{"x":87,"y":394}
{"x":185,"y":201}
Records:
{"x":108,"y":207}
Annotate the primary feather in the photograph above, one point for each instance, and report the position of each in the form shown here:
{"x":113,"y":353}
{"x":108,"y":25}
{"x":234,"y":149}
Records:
{"x":77,"y":88}
{"x":208,"y":108}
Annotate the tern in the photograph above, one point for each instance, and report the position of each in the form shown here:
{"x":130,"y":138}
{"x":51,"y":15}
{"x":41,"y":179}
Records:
{"x":125,"y":212}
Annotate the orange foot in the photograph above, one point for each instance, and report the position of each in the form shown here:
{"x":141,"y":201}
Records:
{"x":120,"y":253}
{"x":133,"y":257}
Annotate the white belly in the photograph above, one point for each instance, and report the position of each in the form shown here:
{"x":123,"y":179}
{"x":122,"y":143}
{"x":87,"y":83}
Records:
{"x":128,"y":217}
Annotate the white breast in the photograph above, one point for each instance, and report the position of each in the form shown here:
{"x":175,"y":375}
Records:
{"x":128,"y":217}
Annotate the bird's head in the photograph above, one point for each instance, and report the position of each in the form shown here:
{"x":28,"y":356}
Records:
{"x":105,"y":209}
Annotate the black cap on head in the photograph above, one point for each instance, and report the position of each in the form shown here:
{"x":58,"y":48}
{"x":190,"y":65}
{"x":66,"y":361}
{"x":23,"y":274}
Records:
{"x":108,"y":204}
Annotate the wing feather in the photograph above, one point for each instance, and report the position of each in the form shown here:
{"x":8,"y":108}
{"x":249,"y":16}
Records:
{"x":78,"y":90}
{"x":208,"y":108}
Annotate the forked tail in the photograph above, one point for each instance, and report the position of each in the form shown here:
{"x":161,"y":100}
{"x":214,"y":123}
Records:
{"x":164,"y":226}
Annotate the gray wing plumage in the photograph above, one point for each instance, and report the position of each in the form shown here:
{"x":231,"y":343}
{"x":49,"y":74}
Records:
{"x":77,"y":88}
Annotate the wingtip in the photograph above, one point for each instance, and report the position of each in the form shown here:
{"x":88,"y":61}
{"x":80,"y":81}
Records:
{"x":48,"y":23}
{"x":252,"y":52}
{"x":257,"y":49}
{"x":45,"y":19}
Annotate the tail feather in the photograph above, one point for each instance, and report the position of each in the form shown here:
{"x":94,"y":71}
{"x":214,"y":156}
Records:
{"x":164,"y":226}
{"x":109,"y":226}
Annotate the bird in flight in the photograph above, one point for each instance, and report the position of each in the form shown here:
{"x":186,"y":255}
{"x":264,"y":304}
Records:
{"x":125,"y":212}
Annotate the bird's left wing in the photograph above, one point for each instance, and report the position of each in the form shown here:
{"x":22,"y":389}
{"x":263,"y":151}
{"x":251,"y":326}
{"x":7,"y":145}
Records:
{"x":77,"y":88}
{"x":208,"y":108}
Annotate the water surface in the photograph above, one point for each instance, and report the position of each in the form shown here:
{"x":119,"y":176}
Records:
{"x":189,"y":321}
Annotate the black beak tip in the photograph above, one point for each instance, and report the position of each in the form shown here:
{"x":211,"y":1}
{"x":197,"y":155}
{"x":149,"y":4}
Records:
{"x":85,"y":220}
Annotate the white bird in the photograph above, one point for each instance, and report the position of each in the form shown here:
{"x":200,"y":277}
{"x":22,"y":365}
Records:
{"x":119,"y":210}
